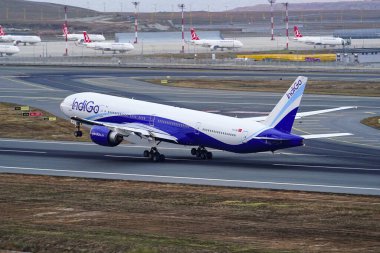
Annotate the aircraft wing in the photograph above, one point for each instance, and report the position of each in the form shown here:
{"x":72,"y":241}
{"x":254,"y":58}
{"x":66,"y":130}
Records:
{"x":127,"y":129}
{"x":305,"y":114}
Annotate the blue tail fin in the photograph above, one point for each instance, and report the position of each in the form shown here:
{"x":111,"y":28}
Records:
{"x":283,"y":114}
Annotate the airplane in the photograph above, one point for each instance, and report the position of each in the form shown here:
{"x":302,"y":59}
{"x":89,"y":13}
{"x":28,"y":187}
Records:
{"x":107,"y":46}
{"x":79,"y":37}
{"x":319,"y":41}
{"x":214,"y":44}
{"x":17,"y":39}
{"x":8,"y":50}
{"x":112,"y":119}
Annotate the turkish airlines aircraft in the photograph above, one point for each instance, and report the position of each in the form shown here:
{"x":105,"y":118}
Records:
{"x":17,"y":39}
{"x":107,"y":46}
{"x":114,"y":118}
{"x":214,"y":44}
{"x":79,"y":37}
{"x":8,"y":50}
{"x":320,"y":41}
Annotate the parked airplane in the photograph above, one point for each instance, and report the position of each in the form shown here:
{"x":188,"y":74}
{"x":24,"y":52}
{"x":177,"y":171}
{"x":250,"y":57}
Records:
{"x":214,"y":44}
{"x":17,"y":39}
{"x":107,"y":46}
{"x":79,"y":36}
{"x":319,"y":41}
{"x":113,"y":118}
{"x":8,"y":50}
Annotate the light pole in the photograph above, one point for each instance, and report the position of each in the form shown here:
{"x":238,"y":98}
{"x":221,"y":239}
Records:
{"x":271,"y":18}
{"x":136,"y":15}
{"x":182,"y":7}
{"x":66,"y":31}
{"x":287,"y":24}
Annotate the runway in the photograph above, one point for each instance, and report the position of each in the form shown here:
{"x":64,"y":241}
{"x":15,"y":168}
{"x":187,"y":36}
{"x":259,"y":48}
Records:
{"x":345,"y":165}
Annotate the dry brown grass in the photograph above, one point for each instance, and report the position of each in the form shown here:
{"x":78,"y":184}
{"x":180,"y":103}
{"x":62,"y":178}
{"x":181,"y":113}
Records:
{"x":59,"y":214}
{"x":372,"y":122}
{"x":351,"y":88}
{"x":14,"y":125}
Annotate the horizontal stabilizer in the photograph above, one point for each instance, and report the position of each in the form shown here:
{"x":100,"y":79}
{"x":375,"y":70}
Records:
{"x":318,"y":136}
{"x":305,"y":114}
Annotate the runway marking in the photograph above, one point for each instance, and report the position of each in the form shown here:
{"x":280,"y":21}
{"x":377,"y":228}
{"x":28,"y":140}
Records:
{"x":27,"y":83}
{"x":137,"y":157}
{"x":96,"y":145}
{"x":22,"y":151}
{"x":321,"y":166}
{"x":194,"y":178}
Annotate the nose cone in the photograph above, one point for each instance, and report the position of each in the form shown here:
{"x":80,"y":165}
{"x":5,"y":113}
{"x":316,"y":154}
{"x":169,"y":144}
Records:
{"x":66,"y":105}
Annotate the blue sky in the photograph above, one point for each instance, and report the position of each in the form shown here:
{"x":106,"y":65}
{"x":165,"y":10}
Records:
{"x":168,"y":5}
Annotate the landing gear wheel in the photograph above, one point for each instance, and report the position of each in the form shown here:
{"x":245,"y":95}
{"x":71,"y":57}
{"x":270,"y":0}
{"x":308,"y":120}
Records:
{"x":201,"y":153}
{"x":146,"y":153}
{"x":78,"y":134}
{"x":154,"y":155}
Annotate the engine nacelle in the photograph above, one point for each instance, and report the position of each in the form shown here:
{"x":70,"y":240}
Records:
{"x":103,"y":136}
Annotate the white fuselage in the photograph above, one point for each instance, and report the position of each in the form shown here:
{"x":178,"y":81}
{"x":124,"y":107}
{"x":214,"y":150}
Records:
{"x":229,"y":130}
{"x":79,"y":37}
{"x":110,"y":46}
{"x":8,"y":50}
{"x":215,"y":44}
{"x":17,"y":39}
{"x":324,"y":41}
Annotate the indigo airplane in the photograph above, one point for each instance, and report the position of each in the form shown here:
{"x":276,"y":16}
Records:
{"x":111,"y":119}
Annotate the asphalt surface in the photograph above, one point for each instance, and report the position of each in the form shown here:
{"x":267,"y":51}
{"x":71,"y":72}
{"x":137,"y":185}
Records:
{"x":345,"y":165}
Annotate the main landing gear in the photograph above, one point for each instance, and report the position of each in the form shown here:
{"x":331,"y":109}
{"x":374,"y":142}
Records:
{"x":78,"y":132}
{"x":201,"y":153}
{"x":154,"y":155}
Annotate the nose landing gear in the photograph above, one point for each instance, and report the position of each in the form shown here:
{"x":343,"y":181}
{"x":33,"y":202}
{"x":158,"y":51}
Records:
{"x":78,"y":133}
{"x":201,"y":153}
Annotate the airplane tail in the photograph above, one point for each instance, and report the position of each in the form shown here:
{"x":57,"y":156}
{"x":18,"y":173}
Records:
{"x":1,"y":31}
{"x":86,"y":37}
{"x":297,"y":32}
{"x":283,"y":114}
{"x":194,"y":35}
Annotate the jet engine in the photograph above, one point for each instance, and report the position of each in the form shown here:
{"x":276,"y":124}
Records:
{"x":103,"y":136}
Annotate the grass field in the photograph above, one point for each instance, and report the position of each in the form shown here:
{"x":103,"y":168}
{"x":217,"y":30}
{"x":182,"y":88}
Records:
{"x":14,"y":125}
{"x":372,"y":122}
{"x":60,"y":214}
{"x":351,"y":88}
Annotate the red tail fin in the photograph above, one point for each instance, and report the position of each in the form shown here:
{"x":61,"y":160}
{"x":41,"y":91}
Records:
{"x":1,"y":31}
{"x":194,"y":35}
{"x":297,"y":32}
{"x":86,"y":37}
{"x":65,"y":29}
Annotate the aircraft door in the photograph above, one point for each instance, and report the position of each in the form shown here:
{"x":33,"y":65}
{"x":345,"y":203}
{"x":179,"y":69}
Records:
{"x":151,"y":120}
{"x":197,"y":128}
{"x":244,"y":136}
